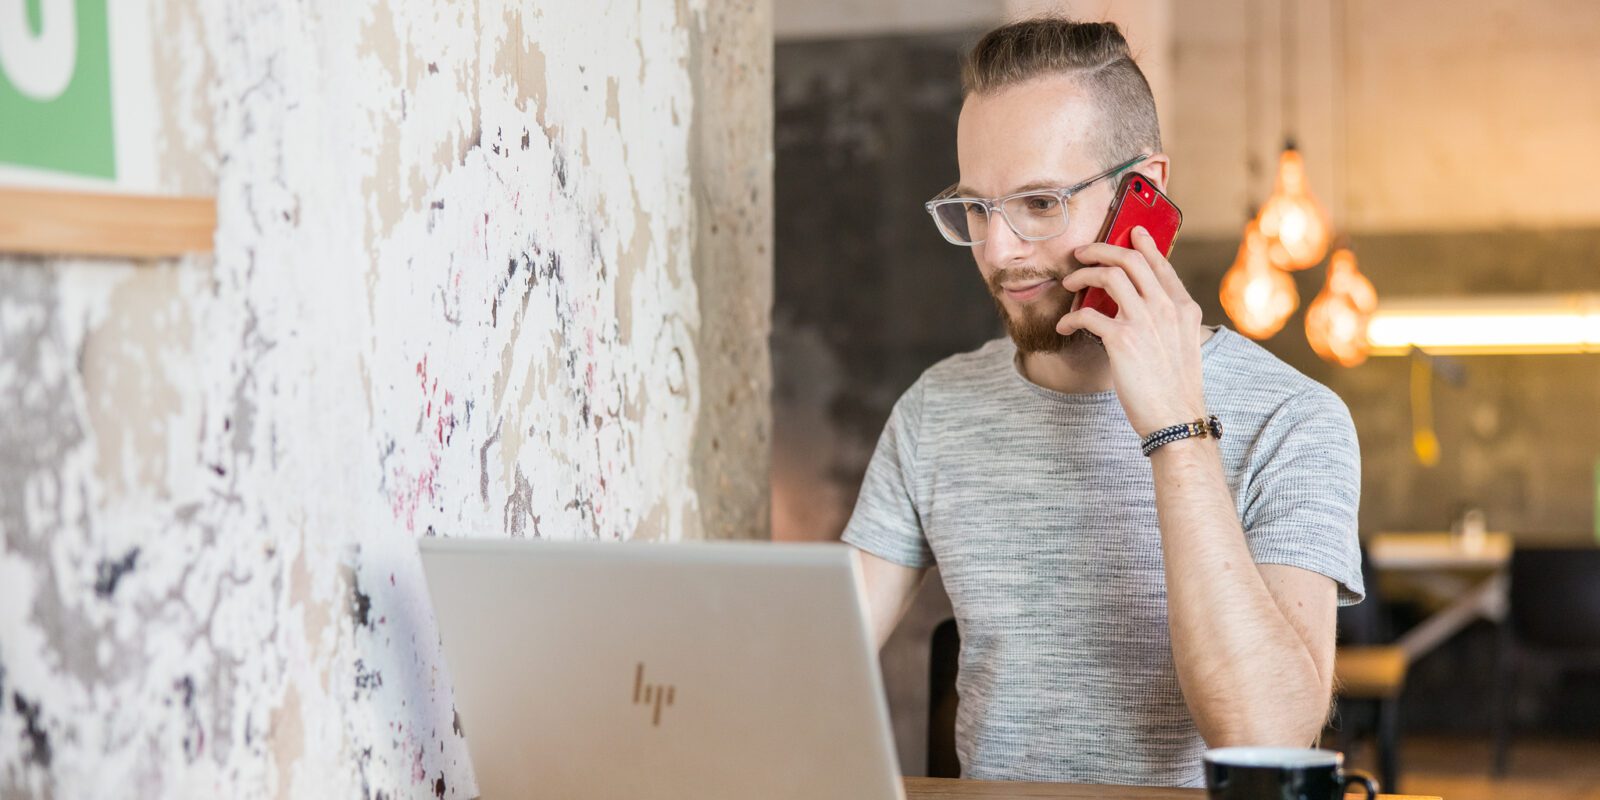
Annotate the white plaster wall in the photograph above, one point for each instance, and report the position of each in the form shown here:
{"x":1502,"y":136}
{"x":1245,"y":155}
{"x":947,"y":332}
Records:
{"x":460,"y":287}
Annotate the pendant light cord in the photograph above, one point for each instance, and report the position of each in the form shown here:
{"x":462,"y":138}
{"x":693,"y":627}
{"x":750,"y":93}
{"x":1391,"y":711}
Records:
{"x":1341,"y":11}
{"x":1252,"y":71}
{"x":1286,"y":71}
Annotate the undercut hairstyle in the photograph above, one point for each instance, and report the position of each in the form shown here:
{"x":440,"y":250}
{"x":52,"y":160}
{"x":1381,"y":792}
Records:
{"x":1094,"y":55}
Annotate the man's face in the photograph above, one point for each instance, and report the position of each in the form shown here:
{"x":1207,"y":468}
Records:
{"x":1033,"y":135}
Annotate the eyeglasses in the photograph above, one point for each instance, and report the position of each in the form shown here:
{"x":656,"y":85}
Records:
{"x":1032,"y":215}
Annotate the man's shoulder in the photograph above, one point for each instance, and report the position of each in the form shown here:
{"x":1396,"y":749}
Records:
{"x":974,"y":366}
{"x":980,"y":372}
{"x":1246,"y":377}
{"x":974,"y":374}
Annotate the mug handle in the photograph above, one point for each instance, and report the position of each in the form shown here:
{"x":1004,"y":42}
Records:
{"x":1365,"y":779}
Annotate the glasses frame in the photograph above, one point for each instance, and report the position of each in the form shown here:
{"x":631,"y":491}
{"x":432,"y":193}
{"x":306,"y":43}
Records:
{"x":994,"y":204}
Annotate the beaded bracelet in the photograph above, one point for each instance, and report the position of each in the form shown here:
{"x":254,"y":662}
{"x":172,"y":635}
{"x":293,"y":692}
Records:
{"x":1205,"y":426}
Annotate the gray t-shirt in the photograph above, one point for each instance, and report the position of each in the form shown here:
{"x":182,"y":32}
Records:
{"x":1039,"y":510}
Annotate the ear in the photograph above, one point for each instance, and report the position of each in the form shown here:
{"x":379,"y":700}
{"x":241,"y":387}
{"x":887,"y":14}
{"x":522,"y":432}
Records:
{"x":1157,"y":168}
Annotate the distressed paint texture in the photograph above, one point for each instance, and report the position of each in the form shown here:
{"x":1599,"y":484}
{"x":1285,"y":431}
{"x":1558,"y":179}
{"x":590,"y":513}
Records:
{"x":482,"y":269}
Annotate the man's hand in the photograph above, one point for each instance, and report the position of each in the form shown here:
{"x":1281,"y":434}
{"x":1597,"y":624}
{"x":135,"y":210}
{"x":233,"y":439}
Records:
{"x":1154,"y":341}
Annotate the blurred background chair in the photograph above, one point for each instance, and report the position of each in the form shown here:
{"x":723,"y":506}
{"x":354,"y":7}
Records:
{"x":1553,"y":623}
{"x":1369,"y":676}
{"x":942,"y":667}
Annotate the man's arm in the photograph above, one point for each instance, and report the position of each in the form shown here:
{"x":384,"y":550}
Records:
{"x":890,"y":588}
{"x":1253,"y":644}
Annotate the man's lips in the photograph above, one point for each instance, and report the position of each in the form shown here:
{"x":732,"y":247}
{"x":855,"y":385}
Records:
{"x":1022,"y":292}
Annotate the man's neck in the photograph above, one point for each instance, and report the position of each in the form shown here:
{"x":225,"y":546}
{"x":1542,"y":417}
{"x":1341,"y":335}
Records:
{"x":1080,"y":368}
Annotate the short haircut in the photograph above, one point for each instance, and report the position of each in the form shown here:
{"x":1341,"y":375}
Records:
{"x":1094,"y":54}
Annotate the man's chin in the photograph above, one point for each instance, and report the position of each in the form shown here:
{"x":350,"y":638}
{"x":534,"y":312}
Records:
{"x":1044,"y":339}
{"x":1033,"y":333}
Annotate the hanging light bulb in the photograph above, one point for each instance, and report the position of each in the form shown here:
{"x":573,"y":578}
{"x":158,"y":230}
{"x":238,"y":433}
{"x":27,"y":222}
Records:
{"x":1424,"y":440}
{"x":1336,"y":321}
{"x":1258,"y":298}
{"x":1292,"y":220}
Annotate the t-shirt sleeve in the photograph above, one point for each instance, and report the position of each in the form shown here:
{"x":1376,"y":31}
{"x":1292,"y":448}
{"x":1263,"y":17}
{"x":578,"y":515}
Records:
{"x":1305,"y":490}
{"x":886,"y":521}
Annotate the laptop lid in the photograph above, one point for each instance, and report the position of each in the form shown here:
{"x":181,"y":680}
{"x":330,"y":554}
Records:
{"x":639,"y":670}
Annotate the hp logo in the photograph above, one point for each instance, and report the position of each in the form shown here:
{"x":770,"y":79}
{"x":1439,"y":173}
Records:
{"x":647,"y":694}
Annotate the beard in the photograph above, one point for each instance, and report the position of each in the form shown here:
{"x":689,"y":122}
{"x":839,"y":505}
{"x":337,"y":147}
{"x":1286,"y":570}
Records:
{"x":1033,"y":329}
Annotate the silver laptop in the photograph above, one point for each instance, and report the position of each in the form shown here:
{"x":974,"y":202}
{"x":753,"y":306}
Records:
{"x":694,"y":670}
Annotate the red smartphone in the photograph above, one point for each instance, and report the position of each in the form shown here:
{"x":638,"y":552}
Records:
{"x":1139,"y":202}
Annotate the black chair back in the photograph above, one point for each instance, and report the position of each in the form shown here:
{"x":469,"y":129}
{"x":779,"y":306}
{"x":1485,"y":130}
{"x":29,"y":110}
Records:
{"x":1366,"y":622}
{"x":1555,"y":597}
{"x":942,"y":701}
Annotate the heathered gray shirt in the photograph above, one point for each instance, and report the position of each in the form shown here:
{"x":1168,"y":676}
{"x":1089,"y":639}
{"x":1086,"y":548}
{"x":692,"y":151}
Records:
{"x":1039,"y":511}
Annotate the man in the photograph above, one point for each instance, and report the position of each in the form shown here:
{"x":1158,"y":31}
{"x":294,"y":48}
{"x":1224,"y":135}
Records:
{"x":1119,"y":612}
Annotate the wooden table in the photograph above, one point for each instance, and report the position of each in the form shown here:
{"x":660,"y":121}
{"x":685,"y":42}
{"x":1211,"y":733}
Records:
{"x":1442,"y":565}
{"x":951,"y":789}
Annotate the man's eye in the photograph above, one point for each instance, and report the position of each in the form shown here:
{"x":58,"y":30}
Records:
{"x":1041,"y":204}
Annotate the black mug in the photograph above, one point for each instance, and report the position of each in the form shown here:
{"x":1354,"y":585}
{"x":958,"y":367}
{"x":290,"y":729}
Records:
{"x":1281,"y":773}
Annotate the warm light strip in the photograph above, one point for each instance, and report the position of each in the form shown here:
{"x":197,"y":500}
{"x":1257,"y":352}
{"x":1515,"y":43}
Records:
{"x":1487,"y":325}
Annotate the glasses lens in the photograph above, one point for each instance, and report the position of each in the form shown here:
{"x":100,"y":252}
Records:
{"x":962,"y":222}
{"x":1037,"y":215}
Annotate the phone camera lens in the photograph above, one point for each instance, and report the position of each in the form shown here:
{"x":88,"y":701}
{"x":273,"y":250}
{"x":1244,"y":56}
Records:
{"x":1138,"y":186}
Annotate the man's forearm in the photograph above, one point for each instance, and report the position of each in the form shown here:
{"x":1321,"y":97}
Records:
{"x":1246,"y":674}
{"x":890,"y":588}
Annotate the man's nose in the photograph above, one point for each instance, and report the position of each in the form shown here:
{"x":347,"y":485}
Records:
{"x":1002,"y":245}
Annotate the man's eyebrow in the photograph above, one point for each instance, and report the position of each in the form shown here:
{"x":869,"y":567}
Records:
{"x":1032,"y":186}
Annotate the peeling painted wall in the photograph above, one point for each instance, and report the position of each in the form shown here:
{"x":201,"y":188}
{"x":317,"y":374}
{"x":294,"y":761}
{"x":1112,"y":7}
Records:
{"x":482,"y":269}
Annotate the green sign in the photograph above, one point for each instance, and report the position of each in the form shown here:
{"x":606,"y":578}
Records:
{"x":55,"y":87}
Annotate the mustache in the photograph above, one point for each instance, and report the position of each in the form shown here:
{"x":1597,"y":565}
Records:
{"x":1015,"y":274}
